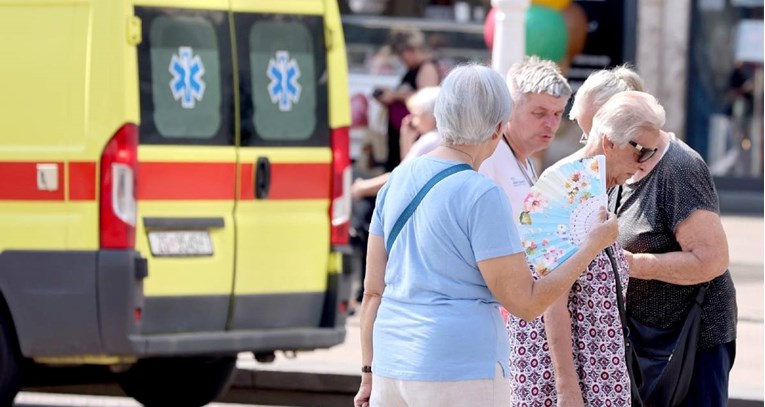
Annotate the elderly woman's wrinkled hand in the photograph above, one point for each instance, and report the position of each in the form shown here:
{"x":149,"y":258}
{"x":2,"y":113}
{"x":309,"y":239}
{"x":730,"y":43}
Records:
{"x":604,"y":234}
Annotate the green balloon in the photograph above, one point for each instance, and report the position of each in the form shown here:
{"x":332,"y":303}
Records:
{"x":546,"y":33}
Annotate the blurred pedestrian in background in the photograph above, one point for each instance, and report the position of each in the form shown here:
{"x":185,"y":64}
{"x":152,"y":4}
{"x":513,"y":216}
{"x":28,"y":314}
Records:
{"x":419,"y":136}
{"x":431,"y":330}
{"x":670,"y":226}
{"x":422,"y":71}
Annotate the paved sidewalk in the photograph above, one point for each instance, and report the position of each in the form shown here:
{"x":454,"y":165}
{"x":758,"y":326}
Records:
{"x":745,"y":242}
{"x":341,"y":364}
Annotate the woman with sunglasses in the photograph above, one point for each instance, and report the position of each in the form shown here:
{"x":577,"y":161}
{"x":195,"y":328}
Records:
{"x":581,"y":360}
{"x":670,"y":226}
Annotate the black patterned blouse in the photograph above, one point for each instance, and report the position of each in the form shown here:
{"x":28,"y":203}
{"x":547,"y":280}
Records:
{"x":649,"y":211}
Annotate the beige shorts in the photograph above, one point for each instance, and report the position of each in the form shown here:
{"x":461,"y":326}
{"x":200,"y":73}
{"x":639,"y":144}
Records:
{"x":464,"y":393}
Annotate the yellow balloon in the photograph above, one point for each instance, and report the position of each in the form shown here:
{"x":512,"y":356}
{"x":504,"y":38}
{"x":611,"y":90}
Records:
{"x":554,"y":4}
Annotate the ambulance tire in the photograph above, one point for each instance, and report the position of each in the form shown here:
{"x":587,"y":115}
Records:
{"x":10,"y":362}
{"x":181,"y":382}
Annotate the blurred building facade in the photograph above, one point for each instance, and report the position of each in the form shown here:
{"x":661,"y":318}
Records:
{"x":704,"y":61}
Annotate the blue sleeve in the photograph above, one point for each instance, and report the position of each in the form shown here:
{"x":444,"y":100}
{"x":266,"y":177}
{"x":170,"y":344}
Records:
{"x":376,"y":225}
{"x":491,"y":229}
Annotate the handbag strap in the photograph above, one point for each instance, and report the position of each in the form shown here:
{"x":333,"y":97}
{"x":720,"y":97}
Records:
{"x":636,"y":376}
{"x":409,"y":210}
{"x":619,"y":297}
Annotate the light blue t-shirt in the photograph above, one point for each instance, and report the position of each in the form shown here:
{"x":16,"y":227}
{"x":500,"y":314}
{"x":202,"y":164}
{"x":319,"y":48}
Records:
{"x":437,"y":319}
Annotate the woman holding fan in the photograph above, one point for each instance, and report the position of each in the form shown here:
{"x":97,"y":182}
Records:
{"x":581,"y":360}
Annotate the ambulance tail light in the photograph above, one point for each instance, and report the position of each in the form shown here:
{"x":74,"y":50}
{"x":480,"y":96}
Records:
{"x":340,"y":209}
{"x":119,"y":167}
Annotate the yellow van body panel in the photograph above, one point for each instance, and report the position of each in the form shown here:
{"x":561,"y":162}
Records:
{"x":182,"y":154}
{"x":297,"y":154}
{"x":21,"y":223}
{"x":272,"y":229}
{"x":170,"y":276}
{"x":279,"y":271}
{"x":82,"y":233}
{"x":66,"y":104}
{"x":174,"y":276}
{"x":308,"y":7}
{"x":189,"y":4}
{"x":35,"y":129}
{"x":337,"y":63}
{"x":45,"y":132}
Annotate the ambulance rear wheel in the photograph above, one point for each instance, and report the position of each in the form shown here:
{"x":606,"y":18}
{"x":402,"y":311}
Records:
{"x":10,"y":362}
{"x":181,"y":382}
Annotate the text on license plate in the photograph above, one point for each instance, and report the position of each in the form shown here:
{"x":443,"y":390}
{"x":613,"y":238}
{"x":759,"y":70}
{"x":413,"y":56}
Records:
{"x":181,"y":243}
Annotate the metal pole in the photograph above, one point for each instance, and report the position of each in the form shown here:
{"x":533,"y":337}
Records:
{"x":509,"y":33}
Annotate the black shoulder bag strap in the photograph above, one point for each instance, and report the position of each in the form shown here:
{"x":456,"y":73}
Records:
{"x":636,"y":377}
{"x":409,"y":210}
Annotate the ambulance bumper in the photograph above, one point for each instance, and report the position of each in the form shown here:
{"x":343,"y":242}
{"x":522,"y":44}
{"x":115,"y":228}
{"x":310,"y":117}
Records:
{"x":232,"y":342}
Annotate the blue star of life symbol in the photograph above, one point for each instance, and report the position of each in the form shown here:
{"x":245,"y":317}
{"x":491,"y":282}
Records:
{"x":284,"y":88}
{"x":187,"y":84}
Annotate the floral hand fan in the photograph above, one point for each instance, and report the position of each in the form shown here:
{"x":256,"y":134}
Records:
{"x":560,"y":210}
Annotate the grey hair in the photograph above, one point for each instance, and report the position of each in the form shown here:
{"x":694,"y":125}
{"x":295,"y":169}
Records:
{"x":601,"y":85}
{"x":534,"y":75}
{"x":473,"y":100}
{"x":425,"y":99}
{"x":626,"y":114}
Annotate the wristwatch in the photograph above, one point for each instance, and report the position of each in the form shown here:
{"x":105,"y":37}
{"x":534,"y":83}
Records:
{"x":366,"y":369}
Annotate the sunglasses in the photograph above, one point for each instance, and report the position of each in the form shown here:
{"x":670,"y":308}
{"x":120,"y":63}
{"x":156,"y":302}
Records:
{"x":645,"y":153}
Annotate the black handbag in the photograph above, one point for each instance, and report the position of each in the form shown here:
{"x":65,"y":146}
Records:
{"x":667,"y":356}
{"x":660,"y":361}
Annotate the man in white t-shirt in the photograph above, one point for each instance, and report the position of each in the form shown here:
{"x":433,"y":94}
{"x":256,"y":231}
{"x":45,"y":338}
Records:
{"x":540,"y":93}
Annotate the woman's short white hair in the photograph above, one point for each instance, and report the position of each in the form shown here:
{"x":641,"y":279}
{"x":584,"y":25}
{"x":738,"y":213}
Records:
{"x":473,"y":100}
{"x":534,"y":75}
{"x":625,"y":115}
{"x":601,"y":85}
{"x":424,"y":100}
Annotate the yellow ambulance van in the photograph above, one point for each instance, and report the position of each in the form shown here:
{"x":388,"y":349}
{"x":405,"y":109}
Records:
{"x":174,"y":188}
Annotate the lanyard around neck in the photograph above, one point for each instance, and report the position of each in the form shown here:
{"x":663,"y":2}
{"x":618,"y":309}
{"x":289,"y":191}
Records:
{"x":532,"y":178}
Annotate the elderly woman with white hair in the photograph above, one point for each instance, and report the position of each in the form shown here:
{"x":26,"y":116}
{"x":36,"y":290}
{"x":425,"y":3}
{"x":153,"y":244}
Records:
{"x":581,"y":360}
{"x":671,"y":229}
{"x":431,"y":330}
{"x":597,"y":89}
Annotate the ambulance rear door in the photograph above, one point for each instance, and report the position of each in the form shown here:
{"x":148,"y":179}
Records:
{"x":282,"y":212}
{"x":187,"y":165}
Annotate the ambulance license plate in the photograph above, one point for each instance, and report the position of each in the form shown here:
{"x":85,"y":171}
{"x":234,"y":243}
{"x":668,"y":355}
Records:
{"x":180,"y":244}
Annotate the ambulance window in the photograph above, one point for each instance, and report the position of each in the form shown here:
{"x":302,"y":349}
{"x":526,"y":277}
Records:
{"x":284,"y":83}
{"x":184,"y":61}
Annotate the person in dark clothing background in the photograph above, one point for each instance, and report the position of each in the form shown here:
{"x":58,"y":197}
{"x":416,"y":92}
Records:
{"x":422,"y":71}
